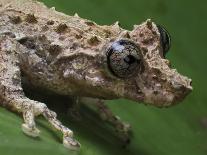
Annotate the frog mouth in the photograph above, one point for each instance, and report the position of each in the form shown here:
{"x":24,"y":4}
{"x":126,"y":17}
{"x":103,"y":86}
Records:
{"x":165,"y":98}
{"x":165,"y":95}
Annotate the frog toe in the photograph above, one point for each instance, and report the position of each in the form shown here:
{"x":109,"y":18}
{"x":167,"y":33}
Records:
{"x":30,"y":131}
{"x":71,"y":143}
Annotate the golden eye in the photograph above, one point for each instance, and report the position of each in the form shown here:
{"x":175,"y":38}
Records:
{"x":124,"y":58}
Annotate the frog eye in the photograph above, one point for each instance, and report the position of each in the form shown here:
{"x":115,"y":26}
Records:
{"x":165,"y":39}
{"x":123,"y":58}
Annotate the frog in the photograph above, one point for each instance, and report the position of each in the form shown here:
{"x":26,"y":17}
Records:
{"x":73,"y":56}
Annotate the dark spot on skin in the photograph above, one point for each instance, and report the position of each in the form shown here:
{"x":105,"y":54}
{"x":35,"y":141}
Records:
{"x":154,"y":77}
{"x":90,"y":23}
{"x":147,"y":41}
{"x":42,"y":38}
{"x":113,"y":39}
{"x":74,"y":46}
{"x":15,"y":19}
{"x":28,"y":42}
{"x":149,"y":25}
{"x":54,"y":49}
{"x":45,"y":28}
{"x":155,"y":92}
{"x":50,"y":22}
{"x":61,"y":28}
{"x":78,"y":36}
{"x":30,"y":18}
{"x":148,"y":56}
{"x":89,"y":29}
{"x":127,"y":35}
{"x":141,"y":34}
{"x":93,"y":41}
{"x":42,"y":45}
{"x":62,"y":38}
{"x":163,"y":79}
{"x":107,"y":33}
{"x":145,"y":50}
{"x":154,"y":32}
{"x":157,"y":72}
{"x":10,"y":34}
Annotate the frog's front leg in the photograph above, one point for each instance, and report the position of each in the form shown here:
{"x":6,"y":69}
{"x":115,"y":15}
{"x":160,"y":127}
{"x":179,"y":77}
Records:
{"x":121,"y":128}
{"x":12,"y":95}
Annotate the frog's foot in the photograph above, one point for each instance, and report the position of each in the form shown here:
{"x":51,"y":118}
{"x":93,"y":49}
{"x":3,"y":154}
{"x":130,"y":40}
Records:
{"x":68,"y":140}
{"x":71,"y":143}
{"x":30,"y":130}
{"x":122,"y":129}
{"x":30,"y":109}
{"x":29,"y":127}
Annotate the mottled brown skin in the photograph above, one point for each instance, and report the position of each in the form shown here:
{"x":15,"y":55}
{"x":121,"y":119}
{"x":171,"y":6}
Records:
{"x":67,"y":55}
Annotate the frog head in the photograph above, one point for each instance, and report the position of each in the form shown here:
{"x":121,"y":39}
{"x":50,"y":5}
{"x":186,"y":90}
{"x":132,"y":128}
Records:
{"x":140,"y":62}
{"x":160,"y":84}
{"x":132,"y":65}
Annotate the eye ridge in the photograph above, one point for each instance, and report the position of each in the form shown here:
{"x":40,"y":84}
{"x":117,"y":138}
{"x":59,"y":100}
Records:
{"x":123,"y":58}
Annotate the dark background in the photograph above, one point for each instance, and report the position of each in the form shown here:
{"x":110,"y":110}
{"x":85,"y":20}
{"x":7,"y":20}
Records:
{"x":179,"y":130}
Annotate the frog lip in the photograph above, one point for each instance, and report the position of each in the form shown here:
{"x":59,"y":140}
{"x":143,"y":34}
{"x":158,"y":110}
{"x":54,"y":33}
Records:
{"x":181,"y":94}
{"x":165,"y":99}
{"x":173,"y":97}
{"x":165,"y":95}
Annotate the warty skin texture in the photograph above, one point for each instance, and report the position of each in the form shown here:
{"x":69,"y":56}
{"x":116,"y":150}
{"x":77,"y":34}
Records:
{"x":68,"y":55}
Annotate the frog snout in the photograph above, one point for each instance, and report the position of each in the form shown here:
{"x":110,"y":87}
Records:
{"x":181,"y":89}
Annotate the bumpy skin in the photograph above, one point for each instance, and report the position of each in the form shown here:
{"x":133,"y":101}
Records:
{"x":68,"y":55}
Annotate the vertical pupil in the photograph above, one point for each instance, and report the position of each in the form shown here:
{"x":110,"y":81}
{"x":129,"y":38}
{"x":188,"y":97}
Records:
{"x":129,"y":59}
